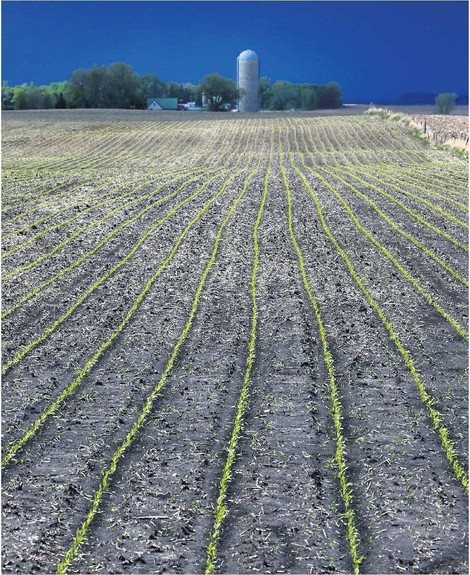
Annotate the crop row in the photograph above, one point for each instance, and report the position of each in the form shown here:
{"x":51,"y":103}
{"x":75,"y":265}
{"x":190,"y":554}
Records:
{"x":20,"y":355}
{"x":179,"y":175}
{"x":345,"y":171}
{"x":295,"y":146}
{"x":81,"y":533}
{"x":119,"y":142}
{"x":379,"y":167}
{"x":429,"y":299}
{"x":178,"y":151}
{"x":166,"y":157}
{"x":134,"y":191}
{"x":407,"y":358}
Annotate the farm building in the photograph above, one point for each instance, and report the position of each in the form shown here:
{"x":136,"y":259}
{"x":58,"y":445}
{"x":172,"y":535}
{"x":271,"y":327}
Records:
{"x":247,"y":81}
{"x":162,"y":103}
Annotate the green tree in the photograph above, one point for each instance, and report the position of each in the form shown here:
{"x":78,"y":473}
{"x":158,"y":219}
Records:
{"x":60,"y":102}
{"x":31,"y":97}
{"x":77,"y":91}
{"x":116,"y":86}
{"x":330,"y":96}
{"x":190,"y":92}
{"x":151,"y":86}
{"x":309,"y":96}
{"x":285,"y":96}
{"x":20,"y":97}
{"x":95,"y":86}
{"x":445,"y":102}
{"x":48,"y":99}
{"x":174,"y":90}
{"x":121,"y":89}
{"x":220,"y":92}
{"x":7,"y":95}
{"x":34,"y":97}
{"x":265,"y":93}
{"x":57,"y":87}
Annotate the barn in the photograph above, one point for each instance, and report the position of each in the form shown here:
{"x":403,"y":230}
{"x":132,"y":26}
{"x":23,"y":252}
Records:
{"x":162,"y":103}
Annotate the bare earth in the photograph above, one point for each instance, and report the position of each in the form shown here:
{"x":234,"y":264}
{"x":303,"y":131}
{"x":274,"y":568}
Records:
{"x":166,"y":276}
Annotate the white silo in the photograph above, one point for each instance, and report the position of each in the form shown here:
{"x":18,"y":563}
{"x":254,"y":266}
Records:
{"x":247,"y":81}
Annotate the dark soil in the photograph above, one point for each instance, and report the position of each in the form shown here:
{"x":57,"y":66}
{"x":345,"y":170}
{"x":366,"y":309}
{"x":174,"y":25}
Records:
{"x":285,"y":510}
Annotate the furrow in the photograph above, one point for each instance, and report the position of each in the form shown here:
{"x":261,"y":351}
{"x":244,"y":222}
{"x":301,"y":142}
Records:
{"x":140,"y":421}
{"x":437,"y":423}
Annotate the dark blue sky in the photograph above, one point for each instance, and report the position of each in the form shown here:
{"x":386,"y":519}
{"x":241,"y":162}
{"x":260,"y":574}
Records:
{"x":375,"y":50}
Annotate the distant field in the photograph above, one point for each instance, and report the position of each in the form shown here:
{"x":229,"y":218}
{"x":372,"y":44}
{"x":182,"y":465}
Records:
{"x":232,"y":343}
{"x":430,"y":109}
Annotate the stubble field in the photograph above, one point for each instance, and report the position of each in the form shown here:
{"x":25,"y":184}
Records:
{"x":232,"y":344}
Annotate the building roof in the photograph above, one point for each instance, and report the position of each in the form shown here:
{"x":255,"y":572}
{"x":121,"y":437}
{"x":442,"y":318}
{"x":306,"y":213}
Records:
{"x":162,"y":103}
{"x":248,"y":56}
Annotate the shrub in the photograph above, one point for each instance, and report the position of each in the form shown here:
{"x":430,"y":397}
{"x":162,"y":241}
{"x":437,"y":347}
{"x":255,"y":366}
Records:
{"x":445,"y":103}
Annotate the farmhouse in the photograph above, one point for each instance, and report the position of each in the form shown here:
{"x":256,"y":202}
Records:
{"x":162,"y":103}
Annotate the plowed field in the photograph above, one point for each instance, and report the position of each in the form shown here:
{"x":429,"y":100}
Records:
{"x":233,"y":345}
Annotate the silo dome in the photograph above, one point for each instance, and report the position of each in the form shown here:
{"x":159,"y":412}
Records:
{"x":248,"y":55}
{"x":247,"y":81}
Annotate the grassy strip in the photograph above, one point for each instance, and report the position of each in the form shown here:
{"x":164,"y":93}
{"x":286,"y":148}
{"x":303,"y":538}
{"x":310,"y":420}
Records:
{"x":426,"y":399}
{"x":34,"y":428}
{"x":336,"y":409}
{"x":118,"y":454}
{"x":221,"y":509}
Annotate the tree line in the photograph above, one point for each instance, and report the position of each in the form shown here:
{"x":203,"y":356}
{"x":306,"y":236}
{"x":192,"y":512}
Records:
{"x":118,"y":86}
{"x":286,"y":96}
